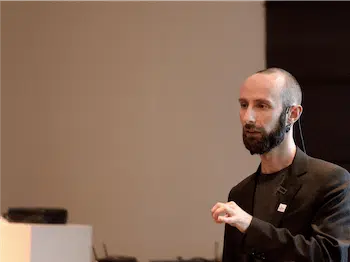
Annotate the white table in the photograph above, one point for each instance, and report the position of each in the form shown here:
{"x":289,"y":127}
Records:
{"x":45,"y":242}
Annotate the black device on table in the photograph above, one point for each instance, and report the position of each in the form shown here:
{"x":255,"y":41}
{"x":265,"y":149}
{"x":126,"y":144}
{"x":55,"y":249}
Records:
{"x":36,"y":215}
{"x":180,"y":259}
{"x":108,"y":258}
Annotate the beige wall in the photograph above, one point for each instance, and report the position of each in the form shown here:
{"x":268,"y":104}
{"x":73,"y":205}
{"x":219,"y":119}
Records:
{"x":126,"y":114}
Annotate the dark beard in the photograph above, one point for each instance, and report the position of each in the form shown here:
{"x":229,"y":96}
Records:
{"x":266,"y":142}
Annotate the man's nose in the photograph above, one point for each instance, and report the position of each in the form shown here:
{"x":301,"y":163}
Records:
{"x":249,"y":116}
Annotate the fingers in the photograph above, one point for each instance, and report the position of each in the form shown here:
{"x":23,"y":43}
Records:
{"x":231,"y":214}
{"x":226,"y":209}
{"x":220,"y":204}
{"x":216,"y":206}
{"x":218,"y":211}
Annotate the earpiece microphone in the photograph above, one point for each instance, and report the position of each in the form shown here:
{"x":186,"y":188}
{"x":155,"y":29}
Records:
{"x":300,"y":131}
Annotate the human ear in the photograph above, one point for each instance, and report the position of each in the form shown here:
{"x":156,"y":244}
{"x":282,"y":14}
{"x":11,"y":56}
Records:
{"x":294,"y":113}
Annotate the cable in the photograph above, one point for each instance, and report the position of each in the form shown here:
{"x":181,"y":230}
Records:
{"x":301,"y":137}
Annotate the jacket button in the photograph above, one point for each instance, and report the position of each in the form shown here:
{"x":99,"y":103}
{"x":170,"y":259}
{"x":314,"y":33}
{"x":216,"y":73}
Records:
{"x":262,"y":256}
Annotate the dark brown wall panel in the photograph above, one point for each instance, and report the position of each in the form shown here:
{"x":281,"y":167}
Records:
{"x":312,"y":41}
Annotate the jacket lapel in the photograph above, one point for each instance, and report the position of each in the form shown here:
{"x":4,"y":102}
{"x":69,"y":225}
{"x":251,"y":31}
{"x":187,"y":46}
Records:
{"x":285,"y":195}
{"x":289,"y":186}
{"x":246,"y":201}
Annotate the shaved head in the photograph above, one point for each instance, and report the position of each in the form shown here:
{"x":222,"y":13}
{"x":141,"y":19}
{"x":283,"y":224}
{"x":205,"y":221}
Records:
{"x":291,"y":91}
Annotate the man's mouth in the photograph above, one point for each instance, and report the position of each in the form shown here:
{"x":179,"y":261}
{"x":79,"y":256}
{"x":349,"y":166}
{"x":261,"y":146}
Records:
{"x":252,"y":131}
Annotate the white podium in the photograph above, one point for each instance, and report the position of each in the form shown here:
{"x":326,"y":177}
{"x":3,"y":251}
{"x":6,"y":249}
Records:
{"x":45,"y":243}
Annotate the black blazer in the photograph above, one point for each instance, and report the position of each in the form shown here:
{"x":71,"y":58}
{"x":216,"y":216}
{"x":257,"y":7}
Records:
{"x":315,"y":225}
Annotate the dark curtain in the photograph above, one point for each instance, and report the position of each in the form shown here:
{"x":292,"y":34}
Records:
{"x":311,"y":40}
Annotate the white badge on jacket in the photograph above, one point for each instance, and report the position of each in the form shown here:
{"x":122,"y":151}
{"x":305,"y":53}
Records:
{"x":282,"y":208}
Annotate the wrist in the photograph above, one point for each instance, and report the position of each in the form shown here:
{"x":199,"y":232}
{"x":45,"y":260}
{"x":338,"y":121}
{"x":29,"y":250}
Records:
{"x":244,"y":224}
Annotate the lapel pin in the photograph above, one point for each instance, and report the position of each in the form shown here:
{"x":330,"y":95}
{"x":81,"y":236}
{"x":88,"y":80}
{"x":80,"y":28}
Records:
{"x":282,"y":208}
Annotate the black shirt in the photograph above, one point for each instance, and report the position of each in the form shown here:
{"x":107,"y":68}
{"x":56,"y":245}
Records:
{"x":265,"y":198}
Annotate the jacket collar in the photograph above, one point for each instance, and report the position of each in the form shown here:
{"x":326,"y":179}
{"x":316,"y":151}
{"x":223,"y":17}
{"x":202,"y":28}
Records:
{"x":300,"y":163}
{"x":298,"y":166}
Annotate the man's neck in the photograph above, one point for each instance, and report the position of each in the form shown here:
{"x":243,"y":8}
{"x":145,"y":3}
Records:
{"x":280,"y":157}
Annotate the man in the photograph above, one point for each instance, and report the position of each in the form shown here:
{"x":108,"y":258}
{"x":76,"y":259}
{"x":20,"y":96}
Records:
{"x":294,"y":207}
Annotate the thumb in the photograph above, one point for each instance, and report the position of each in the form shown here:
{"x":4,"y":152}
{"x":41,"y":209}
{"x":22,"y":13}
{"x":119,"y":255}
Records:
{"x":224,"y":219}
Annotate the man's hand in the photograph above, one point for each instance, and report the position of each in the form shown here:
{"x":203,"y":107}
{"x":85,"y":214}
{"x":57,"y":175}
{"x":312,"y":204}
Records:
{"x":231,"y":214}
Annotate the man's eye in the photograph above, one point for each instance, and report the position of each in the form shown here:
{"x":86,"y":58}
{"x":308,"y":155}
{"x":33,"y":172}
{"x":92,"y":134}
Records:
{"x":244,"y":105}
{"x":262,"y":106}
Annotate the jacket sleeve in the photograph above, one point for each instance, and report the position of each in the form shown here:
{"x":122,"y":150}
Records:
{"x":232,"y":245}
{"x":330,"y":239}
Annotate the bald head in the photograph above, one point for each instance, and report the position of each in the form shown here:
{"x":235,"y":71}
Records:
{"x":270,"y":103}
{"x":290,"y":88}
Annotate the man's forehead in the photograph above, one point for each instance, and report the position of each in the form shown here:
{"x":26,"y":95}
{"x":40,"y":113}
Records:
{"x":262,"y":86}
